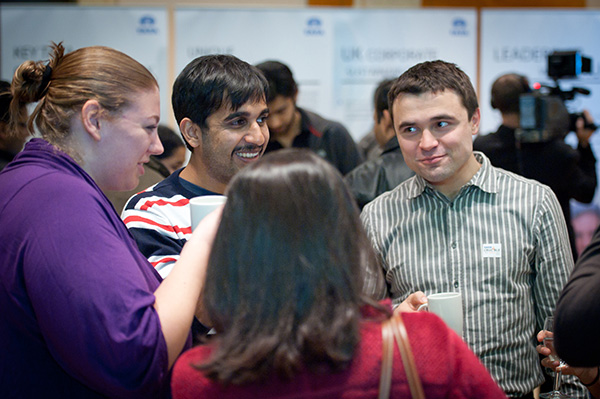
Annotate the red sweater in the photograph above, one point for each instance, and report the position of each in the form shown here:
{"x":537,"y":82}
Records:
{"x":447,"y":367}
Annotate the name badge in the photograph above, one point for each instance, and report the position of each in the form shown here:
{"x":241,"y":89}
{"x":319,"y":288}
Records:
{"x":491,"y":250}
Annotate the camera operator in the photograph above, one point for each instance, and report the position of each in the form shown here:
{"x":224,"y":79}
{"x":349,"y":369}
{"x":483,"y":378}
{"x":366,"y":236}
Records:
{"x":570,"y":173}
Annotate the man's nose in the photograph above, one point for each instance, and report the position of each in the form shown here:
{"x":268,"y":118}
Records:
{"x":428,"y":140}
{"x":256,"y":134}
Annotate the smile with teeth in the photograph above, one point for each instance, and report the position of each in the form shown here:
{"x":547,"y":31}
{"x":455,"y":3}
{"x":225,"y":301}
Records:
{"x":248,"y":154}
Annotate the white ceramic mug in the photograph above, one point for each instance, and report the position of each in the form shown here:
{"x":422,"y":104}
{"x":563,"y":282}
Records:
{"x":203,"y":205}
{"x":447,"y":305}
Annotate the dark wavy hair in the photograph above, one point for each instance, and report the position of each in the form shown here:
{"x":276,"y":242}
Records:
{"x":284,"y":281}
{"x":435,"y":77}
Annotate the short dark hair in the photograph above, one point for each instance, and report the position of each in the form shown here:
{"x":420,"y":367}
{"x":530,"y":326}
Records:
{"x":435,"y":77}
{"x":208,"y":81}
{"x":280,"y":78}
{"x":286,"y":272}
{"x":170,"y":141}
{"x":506,"y":91}
{"x":380,"y":98}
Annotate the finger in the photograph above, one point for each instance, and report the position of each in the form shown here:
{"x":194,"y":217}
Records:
{"x":542,"y":350}
{"x":540,"y":336}
{"x":418,"y":298}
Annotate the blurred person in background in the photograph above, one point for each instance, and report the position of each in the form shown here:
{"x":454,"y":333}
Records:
{"x":292,"y":126}
{"x":374,"y":177}
{"x":11,"y":140}
{"x":173,"y":157}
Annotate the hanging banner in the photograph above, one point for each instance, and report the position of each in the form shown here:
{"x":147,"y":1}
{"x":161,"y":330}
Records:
{"x":26,"y":33}
{"x":338,"y":56}
{"x":382,"y":44}
{"x":301,"y":39}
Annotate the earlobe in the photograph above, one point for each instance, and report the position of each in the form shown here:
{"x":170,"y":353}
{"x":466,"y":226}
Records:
{"x":91,"y":113}
{"x":191,"y":132}
{"x":475,"y":119}
{"x":387,"y":118}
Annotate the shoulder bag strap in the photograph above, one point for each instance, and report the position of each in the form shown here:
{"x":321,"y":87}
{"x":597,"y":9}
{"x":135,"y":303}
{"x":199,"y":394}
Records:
{"x":387,"y":359}
{"x":414,"y":382}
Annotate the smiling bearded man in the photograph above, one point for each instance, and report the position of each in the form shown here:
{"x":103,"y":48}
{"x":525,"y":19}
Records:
{"x":220,"y":105}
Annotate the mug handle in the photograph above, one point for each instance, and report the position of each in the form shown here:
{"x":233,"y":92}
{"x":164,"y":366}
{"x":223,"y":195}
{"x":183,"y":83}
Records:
{"x":423,"y":306}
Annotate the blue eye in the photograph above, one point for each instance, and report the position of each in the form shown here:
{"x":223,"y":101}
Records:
{"x":443,"y":124}
{"x":262,"y":119}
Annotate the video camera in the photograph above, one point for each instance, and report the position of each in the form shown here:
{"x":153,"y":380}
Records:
{"x":543,"y":114}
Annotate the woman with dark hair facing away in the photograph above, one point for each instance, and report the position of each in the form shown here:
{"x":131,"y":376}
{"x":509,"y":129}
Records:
{"x":283,"y":291}
{"x":84,"y":315}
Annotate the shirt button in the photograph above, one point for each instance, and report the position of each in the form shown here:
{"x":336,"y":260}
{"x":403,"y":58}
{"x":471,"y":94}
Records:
{"x":453,"y":245}
{"x":456,"y":284}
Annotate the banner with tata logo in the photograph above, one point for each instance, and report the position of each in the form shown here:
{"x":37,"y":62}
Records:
{"x":338,"y":56}
{"x":140,"y":32}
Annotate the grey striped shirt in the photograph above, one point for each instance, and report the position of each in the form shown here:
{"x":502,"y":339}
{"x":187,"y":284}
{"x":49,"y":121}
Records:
{"x":502,"y":242}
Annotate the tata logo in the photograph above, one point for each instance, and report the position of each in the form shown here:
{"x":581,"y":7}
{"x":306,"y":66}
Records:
{"x":314,"y":27}
{"x":459,"y":27}
{"x":147,"y":25}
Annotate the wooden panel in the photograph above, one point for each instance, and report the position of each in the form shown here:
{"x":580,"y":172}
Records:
{"x":504,"y":3}
{"x":331,"y":3}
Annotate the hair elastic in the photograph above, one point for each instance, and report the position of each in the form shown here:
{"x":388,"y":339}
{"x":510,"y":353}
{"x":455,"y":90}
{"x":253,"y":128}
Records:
{"x":45,"y":81}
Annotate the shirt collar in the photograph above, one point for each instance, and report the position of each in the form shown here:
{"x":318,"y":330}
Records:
{"x":484,"y":179}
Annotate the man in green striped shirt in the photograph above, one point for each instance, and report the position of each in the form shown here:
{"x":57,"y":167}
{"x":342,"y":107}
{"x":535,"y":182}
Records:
{"x":462,"y":225}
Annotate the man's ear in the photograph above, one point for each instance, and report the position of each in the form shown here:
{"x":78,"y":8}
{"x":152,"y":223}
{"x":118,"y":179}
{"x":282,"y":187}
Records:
{"x":191,"y":132}
{"x":475,"y":119}
{"x":91,"y":114}
{"x":387,"y":118}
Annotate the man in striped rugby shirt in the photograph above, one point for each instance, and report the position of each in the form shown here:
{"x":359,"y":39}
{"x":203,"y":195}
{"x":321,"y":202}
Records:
{"x":219,"y":102}
{"x":462,"y":225}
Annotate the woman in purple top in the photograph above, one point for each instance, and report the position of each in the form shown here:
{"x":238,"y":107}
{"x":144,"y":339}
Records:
{"x":82,"y":312}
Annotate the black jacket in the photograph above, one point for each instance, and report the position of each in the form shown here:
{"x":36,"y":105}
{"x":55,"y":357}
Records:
{"x":329,"y":139}
{"x":379,"y":175}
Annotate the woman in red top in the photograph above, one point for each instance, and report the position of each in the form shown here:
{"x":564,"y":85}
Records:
{"x":284,"y":293}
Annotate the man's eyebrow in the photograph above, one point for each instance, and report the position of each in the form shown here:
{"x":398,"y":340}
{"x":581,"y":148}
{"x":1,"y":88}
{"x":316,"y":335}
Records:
{"x":245,"y":114}
{"x":405,"y":124}
{"x":440,"y":117}
{"x":237,"y":114}
{"x":443,"y":117}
